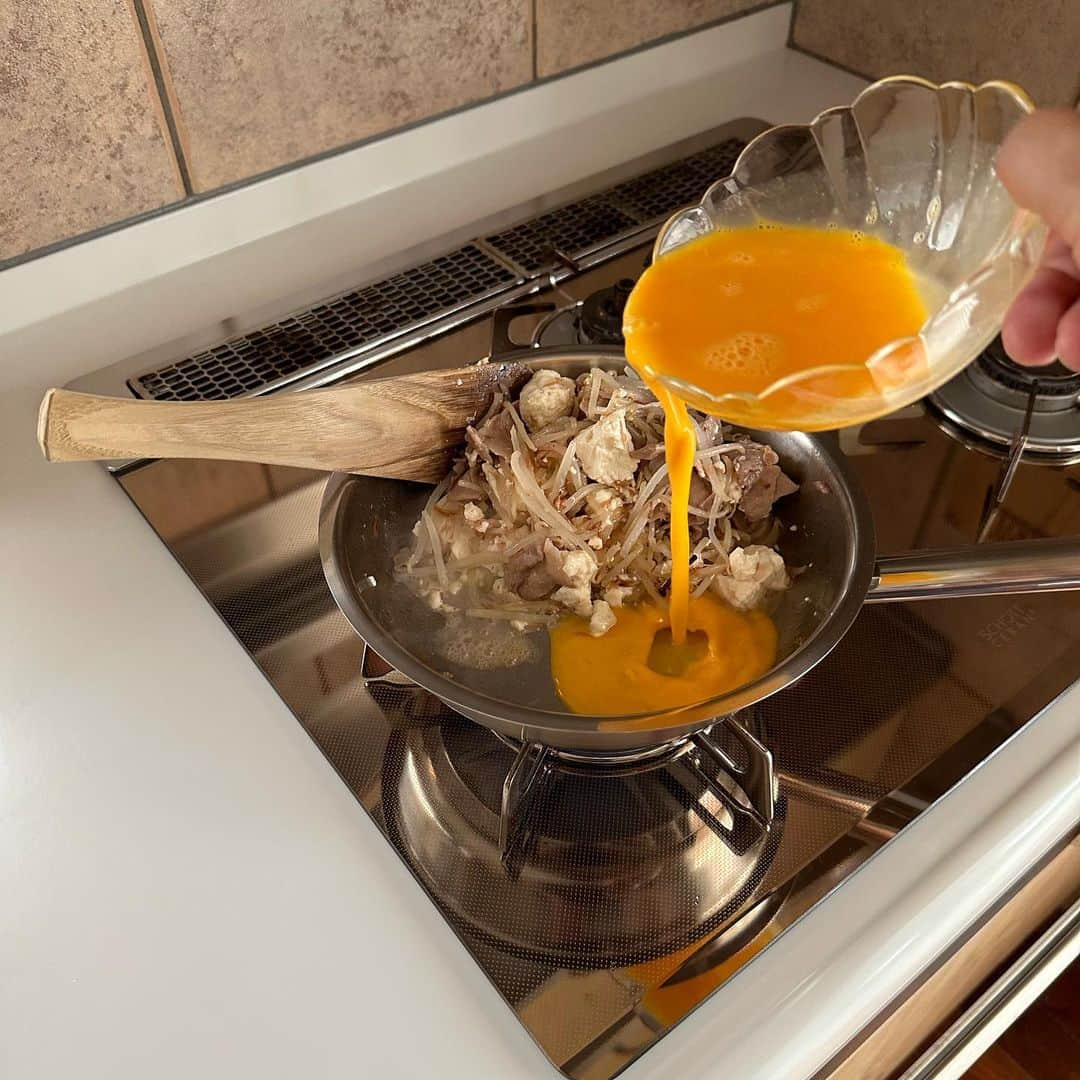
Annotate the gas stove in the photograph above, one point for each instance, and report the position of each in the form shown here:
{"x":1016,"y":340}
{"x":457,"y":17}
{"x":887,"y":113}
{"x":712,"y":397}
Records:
{"x":606,"y":898}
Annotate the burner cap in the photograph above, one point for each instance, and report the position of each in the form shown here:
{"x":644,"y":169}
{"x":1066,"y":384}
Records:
{"x":984,"y":406}
{"x":620,"y":866}
{"x":1050,"y":380}
{"x":602,"y":313}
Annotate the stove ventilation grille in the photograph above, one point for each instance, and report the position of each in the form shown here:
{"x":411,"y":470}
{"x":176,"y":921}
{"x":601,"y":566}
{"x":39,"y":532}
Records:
{"x":573,"y":229}
{"x":354,"y":320}
{"x":658,"y":194}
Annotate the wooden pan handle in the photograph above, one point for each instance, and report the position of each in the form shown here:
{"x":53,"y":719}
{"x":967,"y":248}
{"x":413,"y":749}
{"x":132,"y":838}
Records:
{"x":403,"y":427}
{"x":88,"y":427}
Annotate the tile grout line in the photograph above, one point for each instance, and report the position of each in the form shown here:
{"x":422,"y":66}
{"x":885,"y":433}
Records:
{"x":163,"y":94}
{"x":791,"y":23}
{"x":793,"y":44}
{"x":664,"y":39}
{"x":535,"y":70}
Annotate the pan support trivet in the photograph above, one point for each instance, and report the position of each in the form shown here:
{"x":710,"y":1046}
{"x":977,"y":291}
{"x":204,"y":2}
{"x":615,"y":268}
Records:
{"x":724,"y":751}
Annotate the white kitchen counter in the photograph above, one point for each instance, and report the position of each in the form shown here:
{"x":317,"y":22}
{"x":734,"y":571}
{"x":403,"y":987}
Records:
{"x":176,"y":906}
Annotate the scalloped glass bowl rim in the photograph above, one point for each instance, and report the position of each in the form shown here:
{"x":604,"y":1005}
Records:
{"x":741,"y":407}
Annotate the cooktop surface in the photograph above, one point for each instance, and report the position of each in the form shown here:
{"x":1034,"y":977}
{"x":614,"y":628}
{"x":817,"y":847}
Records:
{"x":617,"y":897}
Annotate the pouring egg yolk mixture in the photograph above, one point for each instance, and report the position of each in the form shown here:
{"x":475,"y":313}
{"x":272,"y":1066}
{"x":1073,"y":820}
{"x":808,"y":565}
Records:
{"x":734,"y":310}
{"x":632,"y":669}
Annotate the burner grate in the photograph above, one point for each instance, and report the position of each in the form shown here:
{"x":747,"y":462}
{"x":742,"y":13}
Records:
{"x":572,"y":229}
{"x":705,"y":754}
{"x":384,"y":309}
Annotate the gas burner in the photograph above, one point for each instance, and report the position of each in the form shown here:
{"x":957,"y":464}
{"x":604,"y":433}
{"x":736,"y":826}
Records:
{"x":726,"y":763}
{"x":597,"y":320}
{"x":616,"y":761}
{"x":1054,"y":383}
{"x":994,"y":403}
{"x":614,"y":865}
{"x":742,"y":780}
{"x":602,"y":314}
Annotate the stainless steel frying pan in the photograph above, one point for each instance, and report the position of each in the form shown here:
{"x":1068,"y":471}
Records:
{"x":364,"y":521}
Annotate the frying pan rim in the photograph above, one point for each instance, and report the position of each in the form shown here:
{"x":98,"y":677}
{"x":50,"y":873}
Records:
{"x":476,"y":705}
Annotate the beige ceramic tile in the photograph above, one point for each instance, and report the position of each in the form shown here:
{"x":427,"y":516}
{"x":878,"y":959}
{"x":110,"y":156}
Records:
{"x":258,"y":85}
{"x":81,"y":138}
{"x":570,"y":33}
{"x":1035,"y":43}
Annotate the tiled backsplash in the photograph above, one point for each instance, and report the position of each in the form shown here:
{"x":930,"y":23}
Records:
{"x":82,"y":138}
{"x":1035,"y":43}
{"x":259,"y":85}
{"x":113,"y":108}
{"x":90,"y":88}
{"x":570,"y":33}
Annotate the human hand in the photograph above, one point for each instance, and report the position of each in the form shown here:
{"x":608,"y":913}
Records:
{"x":1039,"y":163}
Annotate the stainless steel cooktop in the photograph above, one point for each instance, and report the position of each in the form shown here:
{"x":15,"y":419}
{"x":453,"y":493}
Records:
{"x":627,"y":893}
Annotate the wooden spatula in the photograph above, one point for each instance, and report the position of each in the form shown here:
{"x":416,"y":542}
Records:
{"x":406,"y":427}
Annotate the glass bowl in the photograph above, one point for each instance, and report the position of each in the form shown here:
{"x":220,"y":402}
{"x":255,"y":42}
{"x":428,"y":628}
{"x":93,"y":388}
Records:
{"x":911,"y":163}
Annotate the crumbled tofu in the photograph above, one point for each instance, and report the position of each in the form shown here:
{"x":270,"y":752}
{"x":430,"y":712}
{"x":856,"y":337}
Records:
{"x":605,"y":508}
{"x":755,"y":571}
{"x":456,"y":534}
{"x":577,"y":598}
{"x":545,"y":398}
{"x":617,"y":595}
{"x":595,"y":542}
{"x":604,"y":449}
{"x":603,"y":618}
{"x":579,"y":567}
{"x":461,"y":544}
{"x":475,"y":517}
{"x":759,"y":563}
{"x":575,"y":569}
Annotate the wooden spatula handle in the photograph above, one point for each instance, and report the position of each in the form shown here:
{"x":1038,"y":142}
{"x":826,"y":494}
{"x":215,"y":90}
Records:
{"x":87,"y":427}
{"x":403,"y":427}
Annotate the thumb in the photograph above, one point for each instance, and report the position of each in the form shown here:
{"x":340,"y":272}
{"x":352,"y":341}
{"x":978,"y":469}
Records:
{"x":1039,"y":164}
